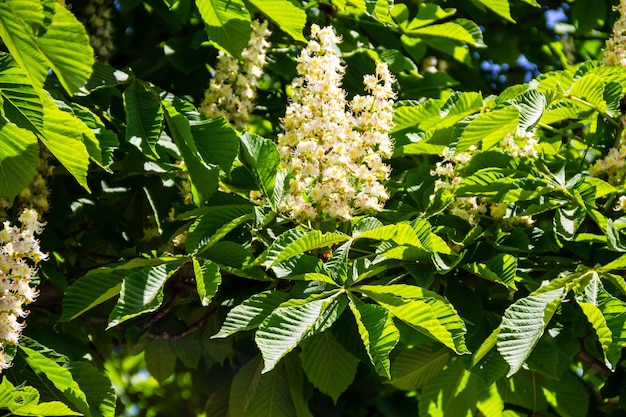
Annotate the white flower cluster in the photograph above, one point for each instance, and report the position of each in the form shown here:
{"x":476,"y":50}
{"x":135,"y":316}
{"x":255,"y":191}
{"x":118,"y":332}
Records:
{"x":19,"y":256}
{"x":98,"y":14}
{"x":233,"y":89}
{"x":333,"y":149}
{"x":521,"y":144}
{"x":472,"y":209}
{"x":612,"y":166}
{"x":615,"y":53}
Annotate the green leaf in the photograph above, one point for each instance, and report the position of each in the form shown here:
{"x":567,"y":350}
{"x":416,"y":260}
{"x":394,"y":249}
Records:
{"x":21,"y":102}
{"x":501,"y":268}
{"x":289,"y":324}
{"x":24,"y":401}
{"x":227,"y":24}
{"x":378,"y":333}
{"x":203,"y":175}
{"x":590,"y":88}
{"x":337,"y":265}
{"x":142,"y":292}
{"x":160,"y":359}
{"x":19,"y":157}
{"x":244,"y":387}
{"x":567,"y":220}
{"x":453,"y":393}
{"x":251,"y":313}
{"x":208,"y":278}
{"x":293,"y":370}
{"x":567,"y":395}
{"x":101,"y":284}
{"x":523,"y":325}
{"x":415,"y":367}
{"x":296,"y":241}
{"x":328,"y":365}
{"x":401,"y":233}
{"x":423,"y":310}
{"x":214,"y":224}
{"x":262,"y":157}
{"x":144,"y":117}
{"x":216,"y":141}
{"x":531,"y":105}
{"x":598,"y":322}
{"x":449,"y":30}
{"x":59,"y":376}
{"x":489,"y":128}
{"x":18,"y":36}
{"x":285,"y":14}
{"x":63,"y":137}
{"x":500,"y":7}
{"x":63,"y":45}
{"x":272,"y":397}
{"x":97,"y":387}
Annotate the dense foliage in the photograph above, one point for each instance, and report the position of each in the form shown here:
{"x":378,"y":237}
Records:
{"x":339,"y":208}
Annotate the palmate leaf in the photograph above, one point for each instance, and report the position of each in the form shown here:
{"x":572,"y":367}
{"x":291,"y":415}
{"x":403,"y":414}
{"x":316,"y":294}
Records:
{"x":102,"y":284}
{"x":428,"y":313}
{"x":414,"y":368}
{"x":328,"y":365}
{"x":227,"y":24}
{"x":144,"y":117}
{"x":453,"y":393}
{"x":63,"y":46}
{"x":251,"y":313}
{"x":286,"y":326}
{"x":290,"y":18}
{"x":378,"y":333}
{"x":296,"y":241}
{"x":19,"y":157}
{"x":142,"y":292}
{"x":524,"y":323}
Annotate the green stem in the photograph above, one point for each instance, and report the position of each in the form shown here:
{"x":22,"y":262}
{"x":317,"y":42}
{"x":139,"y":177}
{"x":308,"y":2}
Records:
{"x":593,"y":107}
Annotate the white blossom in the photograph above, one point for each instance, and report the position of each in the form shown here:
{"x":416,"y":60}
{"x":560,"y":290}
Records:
{"x":333,"y":149}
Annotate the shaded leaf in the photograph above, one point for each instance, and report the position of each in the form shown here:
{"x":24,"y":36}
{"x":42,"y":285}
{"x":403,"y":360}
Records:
{"x":328,"y":365}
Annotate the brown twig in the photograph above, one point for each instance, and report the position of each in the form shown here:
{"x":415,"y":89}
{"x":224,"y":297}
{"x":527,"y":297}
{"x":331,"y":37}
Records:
{"x":177,"y":336}
{"x":590,"y":360}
